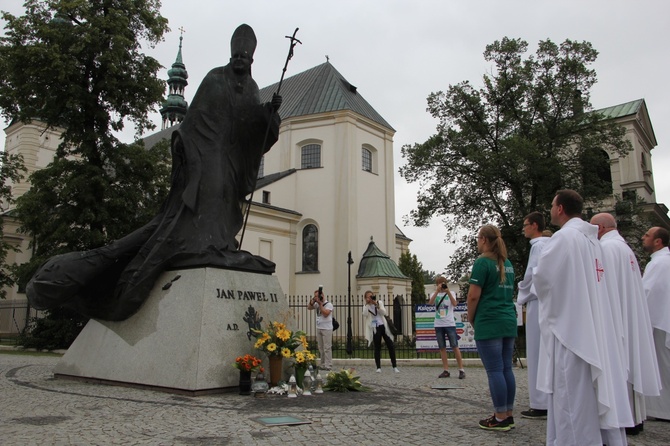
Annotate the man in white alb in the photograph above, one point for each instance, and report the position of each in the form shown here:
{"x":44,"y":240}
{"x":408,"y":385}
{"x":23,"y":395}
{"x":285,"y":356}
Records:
{"x":533,"y":225}
{"x":579,"y":368}
{"x":628,"y":302}
{"x":656,"y":282}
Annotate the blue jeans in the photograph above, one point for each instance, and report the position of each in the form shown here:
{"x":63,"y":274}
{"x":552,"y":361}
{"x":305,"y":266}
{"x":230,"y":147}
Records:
{"x":446,"y":332}
{"x":496,"y":355}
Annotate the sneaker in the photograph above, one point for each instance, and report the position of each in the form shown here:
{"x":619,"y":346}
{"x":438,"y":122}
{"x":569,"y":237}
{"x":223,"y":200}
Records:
{"x":535,"y":414}
{"x":510,"y":421}
{"x":395,"y":369}
{"x":379,"y":370}
{"x":461,"y":374}
{"x":491,"y":424}
{"x":445,"y":374}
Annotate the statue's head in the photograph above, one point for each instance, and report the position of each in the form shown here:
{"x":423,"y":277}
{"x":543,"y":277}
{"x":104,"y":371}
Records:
{"x":242,"y":47}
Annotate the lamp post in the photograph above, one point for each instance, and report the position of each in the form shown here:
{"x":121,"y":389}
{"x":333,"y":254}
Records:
{"x":350,"y":347}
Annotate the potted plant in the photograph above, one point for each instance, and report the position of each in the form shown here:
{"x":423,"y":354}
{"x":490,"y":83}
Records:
{"x":278,"y":342}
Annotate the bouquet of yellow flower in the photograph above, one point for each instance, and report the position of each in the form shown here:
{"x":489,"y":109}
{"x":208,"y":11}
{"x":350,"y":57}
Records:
{"x":304,"y":358}
{"x":278,"y":340}
{"x":248,"y":363}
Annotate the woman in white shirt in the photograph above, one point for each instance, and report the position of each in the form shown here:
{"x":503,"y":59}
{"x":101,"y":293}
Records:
{"x":376,"y":329}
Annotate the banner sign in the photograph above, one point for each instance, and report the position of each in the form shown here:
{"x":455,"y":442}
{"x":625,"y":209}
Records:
{"x":425,"y":331}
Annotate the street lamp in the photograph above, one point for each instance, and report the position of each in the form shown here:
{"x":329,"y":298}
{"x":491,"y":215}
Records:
{"x":350,"y":347}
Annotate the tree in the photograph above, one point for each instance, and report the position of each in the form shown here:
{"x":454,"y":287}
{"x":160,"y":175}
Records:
{"x":428,"y":276}
{"x":11,"y":171}
{"x":77,"y":65}
{"x":503,"y":150}
{"x":412,"y":268}
{"x":61,"y":210}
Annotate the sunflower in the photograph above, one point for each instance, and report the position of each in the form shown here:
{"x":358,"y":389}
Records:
{"x":284,"y":334}
{"x":278,"y":340}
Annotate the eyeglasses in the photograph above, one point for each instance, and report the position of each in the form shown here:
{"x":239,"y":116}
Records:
{"x":526,"y":224}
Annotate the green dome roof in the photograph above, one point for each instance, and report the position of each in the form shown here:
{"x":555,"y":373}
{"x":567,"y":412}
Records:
{"x":375,"y":263}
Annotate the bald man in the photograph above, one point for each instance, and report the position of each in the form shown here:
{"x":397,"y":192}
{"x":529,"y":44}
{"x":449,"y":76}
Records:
{"x":631,"y":317}
{"x":656,"y":282}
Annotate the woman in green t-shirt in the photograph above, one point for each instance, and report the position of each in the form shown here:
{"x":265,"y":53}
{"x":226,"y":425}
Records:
{"x":492,"y":315}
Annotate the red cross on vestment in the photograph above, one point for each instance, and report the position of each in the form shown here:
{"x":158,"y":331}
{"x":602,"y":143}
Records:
{"x":599,"y":270}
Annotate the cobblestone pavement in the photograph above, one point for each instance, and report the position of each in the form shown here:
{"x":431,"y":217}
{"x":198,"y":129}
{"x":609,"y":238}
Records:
{"x":401,"y":409}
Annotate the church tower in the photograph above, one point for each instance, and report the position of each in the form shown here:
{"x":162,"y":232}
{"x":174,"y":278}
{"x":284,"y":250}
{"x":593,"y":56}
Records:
{"x":174,"y":108}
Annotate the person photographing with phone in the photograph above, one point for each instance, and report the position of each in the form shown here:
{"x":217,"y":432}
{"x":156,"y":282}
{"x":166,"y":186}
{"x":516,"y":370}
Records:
{"x":445,"y":326}
{"x":376,"y":328}
{"x":324,"y":327}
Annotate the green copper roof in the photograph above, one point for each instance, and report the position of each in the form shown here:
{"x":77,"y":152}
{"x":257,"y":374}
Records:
{"x":321,"y":89}
{"x":621,"y":110}
{"x":375,"y":263}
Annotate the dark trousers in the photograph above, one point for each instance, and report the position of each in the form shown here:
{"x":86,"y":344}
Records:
{"x":377,"y":341}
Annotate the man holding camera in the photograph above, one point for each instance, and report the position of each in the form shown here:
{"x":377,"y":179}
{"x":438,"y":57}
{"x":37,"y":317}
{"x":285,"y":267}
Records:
{"x":324,"y":327}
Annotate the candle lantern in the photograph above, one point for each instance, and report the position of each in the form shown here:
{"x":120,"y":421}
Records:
{"x":292,"y":387}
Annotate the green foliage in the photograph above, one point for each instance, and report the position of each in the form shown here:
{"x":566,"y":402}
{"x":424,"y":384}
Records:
{"x":411,"y":267}
{"x":501,"y":151}
{"x":344,"y":381}
{"x":63,"y":210}
{"x":11,"y":172}
{"x":56,"y":330}
{"x":428,"y":276}
{"x":77,"y":65}
{"x":633,"y":222}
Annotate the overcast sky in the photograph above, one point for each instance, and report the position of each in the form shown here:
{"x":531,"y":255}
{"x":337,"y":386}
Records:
{"x":398,"y":52}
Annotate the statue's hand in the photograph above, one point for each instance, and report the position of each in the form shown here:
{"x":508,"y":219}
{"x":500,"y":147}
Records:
{"x":276,"y":101}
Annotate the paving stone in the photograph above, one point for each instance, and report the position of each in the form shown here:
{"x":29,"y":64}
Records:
{"x":401,"y":408}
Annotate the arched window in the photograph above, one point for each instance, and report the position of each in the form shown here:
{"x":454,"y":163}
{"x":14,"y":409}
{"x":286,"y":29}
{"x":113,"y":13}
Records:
{"x":310,"y":248}
{"x":367,"y":160}
{"x":261,"y":168}
{"x":596,"y":173}
{"x":310,"y":156}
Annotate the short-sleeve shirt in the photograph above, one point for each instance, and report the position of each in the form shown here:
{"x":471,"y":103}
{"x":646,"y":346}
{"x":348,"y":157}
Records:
{"x":495,"y":316}
{"x":444,"y":311}
{"x":325,"y":322}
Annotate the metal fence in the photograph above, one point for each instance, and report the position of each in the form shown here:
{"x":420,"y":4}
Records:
{"x":402,"y":314}
{"x":13,"y":319}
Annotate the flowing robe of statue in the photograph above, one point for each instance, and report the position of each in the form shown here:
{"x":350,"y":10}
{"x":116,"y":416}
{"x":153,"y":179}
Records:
{"x":216,"y":156}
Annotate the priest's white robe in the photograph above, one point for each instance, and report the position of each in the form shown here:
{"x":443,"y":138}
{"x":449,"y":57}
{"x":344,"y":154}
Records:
{"x":580,"y":363}
{"x":628,"y":300}
{"x":526,"y":295}
{"x":656,"y":282}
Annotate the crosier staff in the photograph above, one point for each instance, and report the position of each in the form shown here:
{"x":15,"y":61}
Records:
{"x":294,"y":41}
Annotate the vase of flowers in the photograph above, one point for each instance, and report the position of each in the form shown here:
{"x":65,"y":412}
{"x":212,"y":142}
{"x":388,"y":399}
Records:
{"x":278,"y":342}
{"x":246,"y":365}
{"x":303,"y":359}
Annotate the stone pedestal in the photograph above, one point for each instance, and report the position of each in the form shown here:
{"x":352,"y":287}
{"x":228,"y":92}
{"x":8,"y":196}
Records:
{"x":185,"y":337}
